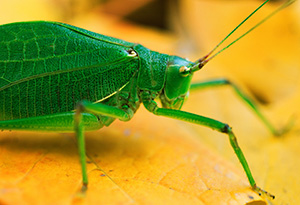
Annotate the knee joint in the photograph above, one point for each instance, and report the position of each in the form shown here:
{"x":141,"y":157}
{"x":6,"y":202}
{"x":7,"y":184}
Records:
{"x":226,"y":129}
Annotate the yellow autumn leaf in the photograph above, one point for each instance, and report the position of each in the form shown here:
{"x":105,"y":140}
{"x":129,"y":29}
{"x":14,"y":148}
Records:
{"x":152,"y":160}
{"x":143,"y":161}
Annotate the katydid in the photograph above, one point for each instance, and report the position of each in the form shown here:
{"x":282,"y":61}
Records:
{"x":61,"y":78}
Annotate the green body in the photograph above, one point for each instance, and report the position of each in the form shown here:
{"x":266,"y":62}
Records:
{"x":57,"y":77}
{"x":47,"y":68}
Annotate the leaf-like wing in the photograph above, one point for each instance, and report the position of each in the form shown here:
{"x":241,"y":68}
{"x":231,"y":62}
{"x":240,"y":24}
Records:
{"x":47,"y":67}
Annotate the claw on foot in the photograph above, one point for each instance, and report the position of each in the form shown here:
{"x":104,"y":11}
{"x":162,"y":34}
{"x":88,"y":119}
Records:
{"x":83,"y":188}
{"x":262,"y":192}
{"x":286,"y":128}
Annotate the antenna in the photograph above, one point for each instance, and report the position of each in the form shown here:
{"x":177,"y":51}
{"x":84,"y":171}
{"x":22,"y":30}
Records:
{"x":202,"y":61}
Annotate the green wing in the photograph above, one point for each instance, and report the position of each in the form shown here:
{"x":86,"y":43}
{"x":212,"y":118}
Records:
{"x":47,"y":67}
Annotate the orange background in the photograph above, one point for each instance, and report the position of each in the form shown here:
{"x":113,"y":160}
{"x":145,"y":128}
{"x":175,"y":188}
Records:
{"x":154,"y":160}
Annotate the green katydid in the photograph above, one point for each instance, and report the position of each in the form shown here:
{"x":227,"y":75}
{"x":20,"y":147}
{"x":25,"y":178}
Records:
{"x":57,"y":77}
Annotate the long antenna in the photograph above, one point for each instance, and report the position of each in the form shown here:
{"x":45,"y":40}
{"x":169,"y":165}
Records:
{"x":202,"y":61}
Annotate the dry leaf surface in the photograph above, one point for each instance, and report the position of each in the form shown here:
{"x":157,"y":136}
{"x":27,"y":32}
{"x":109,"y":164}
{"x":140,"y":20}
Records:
{"x":152,"y":160}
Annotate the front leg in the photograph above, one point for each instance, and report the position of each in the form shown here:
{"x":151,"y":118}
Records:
{"x":208,"y":122}
{"x":98,"y":109}
{"x":246,"y":99}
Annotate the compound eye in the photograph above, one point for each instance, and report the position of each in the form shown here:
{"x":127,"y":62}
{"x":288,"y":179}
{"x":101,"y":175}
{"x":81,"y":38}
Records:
{"x":184,"y":71}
